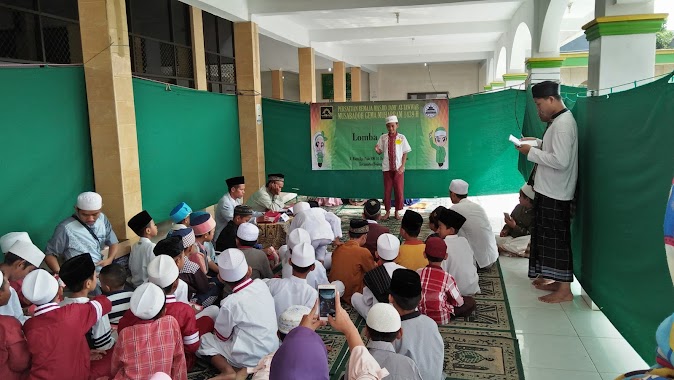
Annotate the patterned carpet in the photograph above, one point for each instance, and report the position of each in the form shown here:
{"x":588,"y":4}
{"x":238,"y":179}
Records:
{"x":481,"y":346}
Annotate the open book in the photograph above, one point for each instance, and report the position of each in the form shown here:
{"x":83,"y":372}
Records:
{"x":518,"y":143}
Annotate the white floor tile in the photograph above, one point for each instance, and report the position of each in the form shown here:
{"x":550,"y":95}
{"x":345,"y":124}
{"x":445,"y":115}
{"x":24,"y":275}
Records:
{"x":529,"y":320}
{"x":578,"y":303}
{"x":613,"y":355}
{"x":609,"y":376}
{"x":558,"y":374}
{"x":527,"y":296}
{"x":592,"y":324}
{"x":554,"y":352}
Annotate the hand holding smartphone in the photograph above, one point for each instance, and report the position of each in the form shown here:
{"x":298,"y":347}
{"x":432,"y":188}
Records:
{"x":506,"y":215}
{"x":327,"y":297}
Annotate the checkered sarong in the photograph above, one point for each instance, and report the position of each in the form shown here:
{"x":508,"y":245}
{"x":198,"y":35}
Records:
{"x":550,"y":255}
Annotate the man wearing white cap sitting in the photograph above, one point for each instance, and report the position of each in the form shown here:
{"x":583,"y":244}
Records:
{"x":246,"y":238}
{"x":383,"y":327}
{"x":56,"y":335}
{"x":477,"y":228}
{"x":378,"y":280}
{"x":295,"y":290}
{"x":323,"y":227}
{"x":316,"y":277}
{"x":153,"y":344}
{"x":245,"y":328}
{"x":516,"y":234}
{"x":21,"y":258}
{"x":87,"y":231}
{"x":395,"y":148}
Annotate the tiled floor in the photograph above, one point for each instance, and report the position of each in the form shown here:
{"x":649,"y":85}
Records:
{"x":558,"y":341}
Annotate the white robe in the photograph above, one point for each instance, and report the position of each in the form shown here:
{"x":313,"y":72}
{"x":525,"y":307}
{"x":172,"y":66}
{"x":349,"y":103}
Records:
{"x":477,"y":230}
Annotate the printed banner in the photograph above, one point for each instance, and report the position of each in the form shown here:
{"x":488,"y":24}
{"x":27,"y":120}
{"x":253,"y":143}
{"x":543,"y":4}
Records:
{"x":344,"y":135}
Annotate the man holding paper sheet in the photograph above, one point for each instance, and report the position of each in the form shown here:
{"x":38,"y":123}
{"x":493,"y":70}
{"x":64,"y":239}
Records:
{"x":554,"y":180}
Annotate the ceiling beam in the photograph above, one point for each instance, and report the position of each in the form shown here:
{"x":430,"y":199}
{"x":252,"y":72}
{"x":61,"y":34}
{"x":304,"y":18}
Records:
{"x":346,"y":34}
{"x":374,"y":50}
{"x":398,"y":59}
{"x":278,"y":7}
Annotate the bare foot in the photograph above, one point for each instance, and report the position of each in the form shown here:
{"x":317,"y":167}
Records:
{"x":387,"y":215}
{"x":397,"y":216}
{"x":553,"y":286}
{"x":541,"y":281}
{"x":557,"y":297}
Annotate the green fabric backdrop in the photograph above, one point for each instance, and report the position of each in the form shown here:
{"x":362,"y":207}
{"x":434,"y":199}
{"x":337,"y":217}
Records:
{"x":46,"y":148}
{"x":626,"y":162}
{"x":479,"y":151}
{"x":188,"y":143}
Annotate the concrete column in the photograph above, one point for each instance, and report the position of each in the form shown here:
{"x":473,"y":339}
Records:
{"x":497,"y":86}
{"x":514,"y":79}
{"x":487,"y":88}
{"x":307,"y":75}
{"x":277,"y":84}
{"x":622,"y":44}
{"x":542,"y":69}
{"x":339,"y":80}
{"x":356,"y":95}
{"x":198,"y":52}
{"x":247,"y":53}
{"x":112,"y":118}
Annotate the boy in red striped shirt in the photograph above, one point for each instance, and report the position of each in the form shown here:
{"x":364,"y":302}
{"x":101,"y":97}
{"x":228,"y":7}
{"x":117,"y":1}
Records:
{"x":440,"y":297}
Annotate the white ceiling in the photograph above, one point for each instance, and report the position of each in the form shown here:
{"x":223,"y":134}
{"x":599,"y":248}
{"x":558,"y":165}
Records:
{"x":366,"y":32}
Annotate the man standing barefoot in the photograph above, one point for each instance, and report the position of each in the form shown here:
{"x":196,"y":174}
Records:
{"x":554,"y":180}
{"x":395,"y":148}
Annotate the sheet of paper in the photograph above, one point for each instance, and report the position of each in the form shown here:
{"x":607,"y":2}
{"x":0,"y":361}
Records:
{"x":518,"y":143}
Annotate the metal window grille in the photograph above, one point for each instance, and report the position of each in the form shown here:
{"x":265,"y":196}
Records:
{"x":33,"y":36}
{"x":220,"y":68}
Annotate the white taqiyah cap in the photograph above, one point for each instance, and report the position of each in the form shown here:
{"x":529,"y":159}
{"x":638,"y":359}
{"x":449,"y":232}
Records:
{"x":297,"y":236}
{"x":392,"y":119}
{"x":384,"y":318}
{"x":89,"y":201}
{"x":160,"y":376}
{"x":27,"y":251}
{"x":39,"y":287}
{"x":301,"y":206}
{"x":291,"y":318}
{"x":458,"y":186}
{"x":232,"y":265}
{"x":147,"y":301}
{"x":339,"y":286}
{"x":388,"y":246}
{"x":248,"y":232}
{"x":528,"y":191}
{"x":162,"y":271}
{"x":303,"y":255}
{"x":2,"y":279}
{"x":8,"y":240}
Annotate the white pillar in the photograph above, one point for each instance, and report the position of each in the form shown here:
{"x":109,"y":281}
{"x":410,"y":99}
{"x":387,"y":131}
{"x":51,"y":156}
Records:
{"x":514,"y":79}
{"x":622,"y":44}
{"x":542,"y":69}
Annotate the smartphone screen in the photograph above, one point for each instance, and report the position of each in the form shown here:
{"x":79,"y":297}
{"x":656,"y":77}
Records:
{"x":327,"y":302}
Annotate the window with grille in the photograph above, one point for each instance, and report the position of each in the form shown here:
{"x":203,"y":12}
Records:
{"x":160,"y":41}
{"x":219,"y":47}
{"x":40,"y":31}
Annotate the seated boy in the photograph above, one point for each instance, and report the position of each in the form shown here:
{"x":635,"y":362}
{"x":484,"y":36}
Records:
{"x":79,"y":275}
{"x":378,"y":280}
{"x":411,"y":254}
{"x":203,"y":225}
{"x":113,"y":282}
{"x":372,"y":213}
{"x":202,"y":291}
{"x":316,"y":277}
{"x":295,"y":290}
{"x":516,"y":234}
{"x":350,"y":261}
{"x":21,"y":258}
{"x":153,"y":344}
{"x":245,"y":327}
{"x":141,"y":253}
{"x":383,"y":328}
{"x":288,"y":320}
{"x":433,"y":221}
{"x":14,"y":354}
{"x":227,"y":238}
{"x":180,"y":215}
{"x":440,"y":297}
{"x":421,"y":341}
{"x":56,"y":335}
{"x":460,"y":261}
{"x":246,"y":238}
